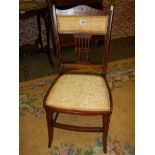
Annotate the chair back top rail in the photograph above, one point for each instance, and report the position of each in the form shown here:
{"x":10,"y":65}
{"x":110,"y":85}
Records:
{"x":80,"y":10}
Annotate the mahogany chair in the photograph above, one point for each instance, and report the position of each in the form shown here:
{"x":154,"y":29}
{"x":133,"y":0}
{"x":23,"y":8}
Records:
{"x":75,"y":93}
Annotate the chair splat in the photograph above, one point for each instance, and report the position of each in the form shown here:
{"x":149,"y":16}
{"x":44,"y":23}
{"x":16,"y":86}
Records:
{"x":82,"y":48}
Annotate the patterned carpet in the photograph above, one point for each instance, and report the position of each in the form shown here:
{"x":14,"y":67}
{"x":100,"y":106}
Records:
{"x":33,"y":129}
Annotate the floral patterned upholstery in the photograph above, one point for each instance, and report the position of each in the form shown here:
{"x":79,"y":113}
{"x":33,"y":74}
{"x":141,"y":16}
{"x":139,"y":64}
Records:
{"x":79,"y":92}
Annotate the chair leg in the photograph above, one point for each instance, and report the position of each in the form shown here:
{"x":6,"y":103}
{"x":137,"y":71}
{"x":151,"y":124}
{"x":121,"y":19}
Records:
{"x":49,"y":117}
{"x":106,"y":120}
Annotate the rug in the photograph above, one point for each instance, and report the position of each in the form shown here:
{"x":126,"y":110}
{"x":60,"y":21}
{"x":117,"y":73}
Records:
{"x":33,"y":128}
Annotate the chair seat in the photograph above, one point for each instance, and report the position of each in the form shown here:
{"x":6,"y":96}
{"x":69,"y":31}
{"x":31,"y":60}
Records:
{"x":79,"y":92}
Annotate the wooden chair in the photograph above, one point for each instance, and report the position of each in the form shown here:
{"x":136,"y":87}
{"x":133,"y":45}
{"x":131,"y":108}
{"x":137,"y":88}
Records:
{"x":74,"y":93}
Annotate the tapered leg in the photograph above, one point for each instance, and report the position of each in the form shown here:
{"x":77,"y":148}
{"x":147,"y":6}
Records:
{"x":49,"y":117}
{"x":106,"y":120}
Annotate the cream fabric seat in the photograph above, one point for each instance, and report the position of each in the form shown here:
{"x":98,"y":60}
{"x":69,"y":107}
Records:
{"x":79,"y":92}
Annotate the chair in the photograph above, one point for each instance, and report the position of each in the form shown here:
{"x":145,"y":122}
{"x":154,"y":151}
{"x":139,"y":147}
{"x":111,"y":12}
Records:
{"x":85,"y":94}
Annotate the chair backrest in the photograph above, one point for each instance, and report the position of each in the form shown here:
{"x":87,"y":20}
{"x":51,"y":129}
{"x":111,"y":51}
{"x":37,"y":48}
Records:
{"x":83,"y":22}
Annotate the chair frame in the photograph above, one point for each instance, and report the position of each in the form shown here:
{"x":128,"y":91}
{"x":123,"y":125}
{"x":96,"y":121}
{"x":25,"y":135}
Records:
{"x":51,"y":119}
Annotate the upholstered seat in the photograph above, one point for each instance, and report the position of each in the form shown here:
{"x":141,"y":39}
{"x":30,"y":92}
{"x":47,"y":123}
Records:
{"x":79,"y":92}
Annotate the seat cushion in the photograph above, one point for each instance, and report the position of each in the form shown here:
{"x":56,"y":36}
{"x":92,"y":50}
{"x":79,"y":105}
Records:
{"x":79,"y":92}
